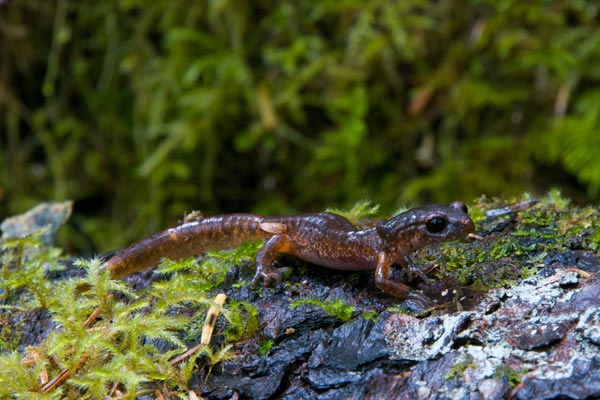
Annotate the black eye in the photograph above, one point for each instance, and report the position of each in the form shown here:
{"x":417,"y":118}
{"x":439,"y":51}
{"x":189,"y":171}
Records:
{"x":465,"y":209}
{"x":436,"y":224}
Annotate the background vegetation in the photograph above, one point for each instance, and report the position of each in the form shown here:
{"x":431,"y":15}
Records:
{"x":140,"y":111}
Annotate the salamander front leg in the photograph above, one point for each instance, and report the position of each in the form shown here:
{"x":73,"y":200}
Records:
{"x":383,"y":281}
{"x":266,"y":256}
{"x":396,"y":289}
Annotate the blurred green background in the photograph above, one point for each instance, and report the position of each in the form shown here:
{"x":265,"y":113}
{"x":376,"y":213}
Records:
{"x":143,"y":110}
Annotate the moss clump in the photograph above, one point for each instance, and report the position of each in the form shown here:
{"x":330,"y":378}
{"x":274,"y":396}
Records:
{"x":513,"y":376}
{"x":460,"y":367}
{"x":358,"y":211}
{"x":265,"y":346}
{"x":109,"y":339}
{"x":370,"y":315}
{"x":243,"y":320}
{"x":337,"y":308}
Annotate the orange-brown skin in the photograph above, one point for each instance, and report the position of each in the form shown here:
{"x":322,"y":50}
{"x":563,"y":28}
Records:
{"x":324,"y":239}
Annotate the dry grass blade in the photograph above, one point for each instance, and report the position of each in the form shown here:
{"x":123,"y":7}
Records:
{"x":209,"y":325}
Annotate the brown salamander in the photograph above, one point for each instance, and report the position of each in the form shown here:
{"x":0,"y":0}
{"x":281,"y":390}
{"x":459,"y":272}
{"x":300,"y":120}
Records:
{"x":325,"y":239}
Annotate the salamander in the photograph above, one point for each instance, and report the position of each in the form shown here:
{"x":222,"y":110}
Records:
{"x":324,"y":239}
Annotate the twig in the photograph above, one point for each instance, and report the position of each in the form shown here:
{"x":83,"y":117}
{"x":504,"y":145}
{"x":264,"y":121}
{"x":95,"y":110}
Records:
{"x":187,"y":354}
{"x":63,"y":376}
{"x":512,"y":208}
{"x":94,"y":315}
{"x":556,"y":277}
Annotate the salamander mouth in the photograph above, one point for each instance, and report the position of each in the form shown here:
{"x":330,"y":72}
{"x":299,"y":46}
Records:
{"x":461,"y":229}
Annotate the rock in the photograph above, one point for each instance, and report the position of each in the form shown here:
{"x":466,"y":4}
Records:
{"x":537,"y":339}
{"x":49,"y":216}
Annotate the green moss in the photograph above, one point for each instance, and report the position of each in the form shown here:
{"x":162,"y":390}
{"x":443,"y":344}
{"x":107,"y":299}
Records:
{"x":460,"y":367}
{"x":399,"y":310}
{"x":112,"y":350}
{"x":17,"y":380}
{"x":595,"y":239}
{"x":360,"y":210}
{"x":23,"y":266}
{"x":370,"y":315}
{"x":125,"y":344}
{"x":216,"y":356}
{"x":510,"y":246}
{"x":335,"y":308}
{"x":210,"y":272}
{"x":265,"y":346}
{"x":514,"y":376}
{"x":243,"y":320}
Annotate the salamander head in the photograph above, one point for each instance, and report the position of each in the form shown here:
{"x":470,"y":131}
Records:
{"x":425,"y":225}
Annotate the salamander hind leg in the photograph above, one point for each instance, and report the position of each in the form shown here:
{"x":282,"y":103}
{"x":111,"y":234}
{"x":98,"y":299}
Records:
{"x":265,"y":271}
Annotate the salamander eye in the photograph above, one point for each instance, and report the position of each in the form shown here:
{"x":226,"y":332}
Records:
{"x":436,"y":224}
